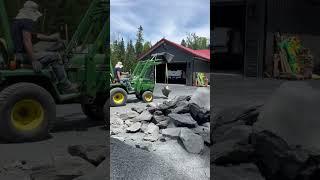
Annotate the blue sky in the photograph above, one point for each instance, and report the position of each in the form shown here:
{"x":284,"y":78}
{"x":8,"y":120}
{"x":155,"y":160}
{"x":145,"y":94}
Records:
{"x":171,"y":19}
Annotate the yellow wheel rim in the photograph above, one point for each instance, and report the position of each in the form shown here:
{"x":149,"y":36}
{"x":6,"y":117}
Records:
{"x":148,"y":97}
{"x":118,"y":98}
{"x":27,"y":114}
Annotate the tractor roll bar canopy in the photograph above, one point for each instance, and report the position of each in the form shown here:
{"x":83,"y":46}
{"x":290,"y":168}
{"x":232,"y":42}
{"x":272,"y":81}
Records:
{"x":167,"y":57}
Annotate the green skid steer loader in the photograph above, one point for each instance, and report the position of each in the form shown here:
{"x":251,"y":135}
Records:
{"x":141,"y":83}
{"x":28,"y":99}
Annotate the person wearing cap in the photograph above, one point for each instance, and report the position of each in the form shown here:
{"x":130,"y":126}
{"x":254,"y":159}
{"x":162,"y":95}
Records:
{"x":117,"y":71}
{"x":23,"y":35}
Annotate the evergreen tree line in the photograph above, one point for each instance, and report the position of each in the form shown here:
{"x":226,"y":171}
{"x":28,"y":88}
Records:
{"x":128,"y":53}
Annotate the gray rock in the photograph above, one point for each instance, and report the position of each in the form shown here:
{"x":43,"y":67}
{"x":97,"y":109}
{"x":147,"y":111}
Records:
{"x":152,"y":129}
{"x":237,"y":133}
{"x":94,"y":154}
{"x":182,"y":103}
{"x":138,"y":109}
{"x":218,"y":131}
{"x":163,"y":124}
{"x":183,"y":120}
{"x":171,"y":132}
{"x":207,"y":124}
{"x":134,"y":127}
{"x":201,"y":97}
{"x":144,"y":127}
{"x":247,"y":114}
{"x":152,"y":133}
{"x":181,"y":109}
{"x":144,"y":116}
{"x":129,"y":115}
{"x":158,"y":119}
{"x":270,"y":149}
{"x":231,"y":152}
{"x":192,"y":142}
{"x":204,"y":132}
{"x":240,"y":172}
{"x":116,"y":130}
{"x":201,"y":115}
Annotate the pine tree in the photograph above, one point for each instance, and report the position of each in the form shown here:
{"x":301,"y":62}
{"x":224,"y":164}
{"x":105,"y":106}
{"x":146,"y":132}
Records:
{"x":130,"y":56}
{"x":122,"y":54}
{"x":139,"y":42}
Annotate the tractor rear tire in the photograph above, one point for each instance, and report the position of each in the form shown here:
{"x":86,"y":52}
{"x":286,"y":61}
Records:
{"x":93,"y":111}
{"x":118,"y":97}
{"x":27,"y":113}
{"x":147,"y":96}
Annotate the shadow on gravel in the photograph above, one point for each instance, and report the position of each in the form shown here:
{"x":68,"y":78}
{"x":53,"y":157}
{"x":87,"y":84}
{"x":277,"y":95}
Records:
{"x":63,"y":124}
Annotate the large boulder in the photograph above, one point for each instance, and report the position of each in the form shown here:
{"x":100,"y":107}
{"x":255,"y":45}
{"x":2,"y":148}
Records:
{"x":231,"y":152}
{"x":191,"y":141}
{"x":270,"y":149}
{"x":237,"y":133}
{"x":183,"y":120}
{"x":292,"y":113}
{"x":171,"y":132}
{"x":204,"y":132}
{"x":201,"y":115}
{"x":201,"y":97}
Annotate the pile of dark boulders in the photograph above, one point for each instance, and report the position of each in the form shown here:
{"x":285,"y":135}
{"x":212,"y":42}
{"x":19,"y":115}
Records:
{"x":240,"y":150}
{"x":180,"y":118}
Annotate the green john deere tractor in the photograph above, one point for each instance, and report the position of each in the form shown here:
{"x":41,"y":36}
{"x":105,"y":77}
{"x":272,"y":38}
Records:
{"x":141,"y":82}
{"x":28,"y":99}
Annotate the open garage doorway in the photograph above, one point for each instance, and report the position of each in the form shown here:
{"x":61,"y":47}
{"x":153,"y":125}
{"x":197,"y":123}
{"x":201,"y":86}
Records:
{"x":176,"y":73}
{"x":229,"y":37}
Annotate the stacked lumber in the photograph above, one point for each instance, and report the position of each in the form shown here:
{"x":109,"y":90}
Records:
{"x":281,"y":66}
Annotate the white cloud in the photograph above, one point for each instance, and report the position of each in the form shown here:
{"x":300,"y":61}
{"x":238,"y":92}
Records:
{"x":172,"y":19}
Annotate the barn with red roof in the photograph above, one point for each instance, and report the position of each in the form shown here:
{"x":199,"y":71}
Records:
{"x":185,"y":64}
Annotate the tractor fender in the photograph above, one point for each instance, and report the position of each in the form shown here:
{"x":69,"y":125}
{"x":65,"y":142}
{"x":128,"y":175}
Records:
{"x":41,"y":81}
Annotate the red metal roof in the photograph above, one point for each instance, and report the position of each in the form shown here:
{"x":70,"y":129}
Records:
{"x":202,"y":54}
